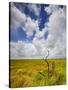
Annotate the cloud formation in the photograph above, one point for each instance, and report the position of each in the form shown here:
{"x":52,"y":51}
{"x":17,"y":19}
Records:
{"x":21,"y":50}
{"x":35,"y":8}
{"x":19,"y":19}
{"x":27,"y":50}
{"x":31,"y":26}
{"x":57,"y":31}
{"x":56,"y":28}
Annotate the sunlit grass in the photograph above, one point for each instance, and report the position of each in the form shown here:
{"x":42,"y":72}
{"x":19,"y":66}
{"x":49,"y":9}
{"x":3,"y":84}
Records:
{"x":28,"y":73}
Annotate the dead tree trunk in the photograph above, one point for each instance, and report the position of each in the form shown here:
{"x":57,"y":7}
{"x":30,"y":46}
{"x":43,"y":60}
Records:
{"x":47,"y":63}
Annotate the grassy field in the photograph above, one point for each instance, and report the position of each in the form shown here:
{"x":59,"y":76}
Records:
{"x":30,"y":73}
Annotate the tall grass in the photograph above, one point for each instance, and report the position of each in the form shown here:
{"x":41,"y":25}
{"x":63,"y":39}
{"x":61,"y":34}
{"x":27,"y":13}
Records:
{"x":29,"y":73}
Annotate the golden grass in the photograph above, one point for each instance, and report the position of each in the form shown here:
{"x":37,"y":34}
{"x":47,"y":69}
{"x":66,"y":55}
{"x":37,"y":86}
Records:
{"x":29,"y":73}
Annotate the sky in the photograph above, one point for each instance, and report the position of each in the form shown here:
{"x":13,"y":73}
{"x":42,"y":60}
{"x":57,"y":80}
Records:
{"x":36,"y":29}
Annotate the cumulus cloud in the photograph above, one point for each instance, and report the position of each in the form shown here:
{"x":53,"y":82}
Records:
{"x":21,"y":50}
{"x":40,"y":34}
{"x":35,"y":9}
{"x":27,"y":50}
{"x":40,"y":47}
{"x":51,"y":8}
{"x":19,"y":19}
{"x":56,"y":41}
{"x":31,"y":26}
{"x":57,"y":28}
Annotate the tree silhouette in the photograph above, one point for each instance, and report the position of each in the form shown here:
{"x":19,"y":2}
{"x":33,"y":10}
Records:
{"x":47,"y":61}
{"x":45,"y":58}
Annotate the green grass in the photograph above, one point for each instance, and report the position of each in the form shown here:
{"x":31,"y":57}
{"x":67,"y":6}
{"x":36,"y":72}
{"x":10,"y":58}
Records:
{"x":29,"y":73}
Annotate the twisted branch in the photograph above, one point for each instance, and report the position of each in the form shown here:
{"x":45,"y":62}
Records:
{"x":47,"y":62}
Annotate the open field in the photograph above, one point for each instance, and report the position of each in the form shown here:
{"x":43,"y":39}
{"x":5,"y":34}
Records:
{"x":29,"y":73}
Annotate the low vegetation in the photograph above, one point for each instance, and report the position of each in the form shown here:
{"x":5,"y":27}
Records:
{"x":30,"y":73}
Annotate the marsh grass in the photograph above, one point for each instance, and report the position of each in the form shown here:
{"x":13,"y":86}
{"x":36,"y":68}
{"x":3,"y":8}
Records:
{"x":29,"y":73}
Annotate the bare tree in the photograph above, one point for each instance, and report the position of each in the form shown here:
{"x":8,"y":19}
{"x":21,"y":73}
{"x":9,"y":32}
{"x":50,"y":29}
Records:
{"x":47,"y":61}
{"x":45,"y":58}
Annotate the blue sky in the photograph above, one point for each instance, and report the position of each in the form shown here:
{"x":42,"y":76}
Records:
{"x":34,"y":28}
{"x":20,"y":34}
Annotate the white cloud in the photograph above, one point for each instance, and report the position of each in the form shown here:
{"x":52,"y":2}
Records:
{"x":59,"y":50}
{"x":57,"y":28}
{"x":56,"y":41}
{"x":40,"y":45}
{"x":22,"y":50}
{"x":31,"y":26}
{"x":39,"y":34}
{"x":19,"y":19}
{"x":27,"y":50}
{"x":51,"y":8}
{"x":34,"y":8}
